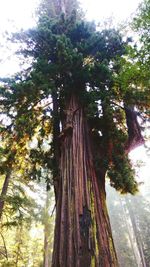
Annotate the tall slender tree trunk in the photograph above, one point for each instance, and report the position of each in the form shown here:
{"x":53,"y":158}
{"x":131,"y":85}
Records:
{"x":19,"y":243}
{"x":82,"y":232}
{"x":136,"y":232}
{"x":131,"y":234}
{"x":46,"y":233}
{"x":48,"y":229}
{"x":4,"y":191}
{"x":46,"y":250}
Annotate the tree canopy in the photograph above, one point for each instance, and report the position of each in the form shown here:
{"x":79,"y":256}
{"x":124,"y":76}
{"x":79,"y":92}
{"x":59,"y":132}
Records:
{"x":69,"y":55}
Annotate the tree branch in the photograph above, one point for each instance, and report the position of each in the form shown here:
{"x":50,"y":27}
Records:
{"x":135,"y":137}
{"x":6,"y":254}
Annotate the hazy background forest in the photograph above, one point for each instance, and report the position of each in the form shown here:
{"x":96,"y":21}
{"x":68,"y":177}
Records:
{"x":27,"y":224}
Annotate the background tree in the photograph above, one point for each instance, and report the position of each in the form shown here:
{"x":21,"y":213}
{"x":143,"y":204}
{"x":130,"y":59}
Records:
{"x":130,"y":214}
{"x":23,"y":225}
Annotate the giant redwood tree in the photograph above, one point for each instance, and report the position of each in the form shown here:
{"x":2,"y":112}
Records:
{"x":80,"y":89}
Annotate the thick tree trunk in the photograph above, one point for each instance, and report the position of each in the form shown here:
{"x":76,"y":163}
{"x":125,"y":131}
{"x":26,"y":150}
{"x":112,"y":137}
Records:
{"x":82,"y":232}
{"x":4,"y":191}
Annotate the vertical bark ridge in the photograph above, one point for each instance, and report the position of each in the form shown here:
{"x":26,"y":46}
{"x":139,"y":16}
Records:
{"x":82,"y":232}
{"x":4,"y":191}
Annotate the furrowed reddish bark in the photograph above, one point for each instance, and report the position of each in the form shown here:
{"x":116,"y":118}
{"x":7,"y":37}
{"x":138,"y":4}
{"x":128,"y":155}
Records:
{"x":82,"y":232}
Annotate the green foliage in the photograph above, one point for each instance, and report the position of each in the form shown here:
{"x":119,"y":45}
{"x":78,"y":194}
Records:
{"x":142,"y":21}
{"x":26,"y":215}
{"x":23,"y":248}
{"x":69,"y":56}
{"x":122,"y":175}
{"x":141,"y":25}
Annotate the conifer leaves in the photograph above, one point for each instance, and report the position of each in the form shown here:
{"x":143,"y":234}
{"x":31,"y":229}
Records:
{"x":70,"y":56}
